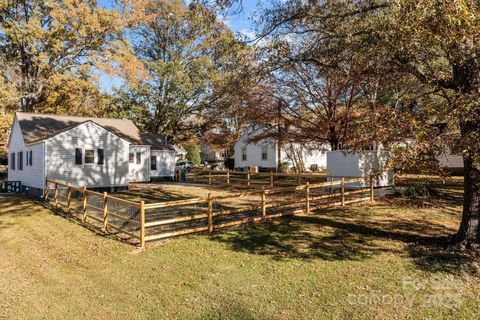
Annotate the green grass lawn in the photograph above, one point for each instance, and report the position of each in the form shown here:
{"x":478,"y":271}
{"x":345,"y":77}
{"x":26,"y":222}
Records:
{"x":361,"y":262}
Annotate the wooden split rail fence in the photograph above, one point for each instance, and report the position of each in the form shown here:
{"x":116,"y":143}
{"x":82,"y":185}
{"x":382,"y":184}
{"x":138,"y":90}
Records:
{"x":254,"y":179}
{"x":155,"y":221}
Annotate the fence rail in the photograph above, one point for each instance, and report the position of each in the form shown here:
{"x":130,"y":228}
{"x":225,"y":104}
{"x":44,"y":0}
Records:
{"x":249,"y":179}
{"x":156,"y":221}
{"x":110,"y":212}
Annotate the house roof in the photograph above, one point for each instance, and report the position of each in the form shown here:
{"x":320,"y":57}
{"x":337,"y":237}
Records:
{"x":156,"y":142}
{"x":36,"y":127}
{"x":179,"y":149}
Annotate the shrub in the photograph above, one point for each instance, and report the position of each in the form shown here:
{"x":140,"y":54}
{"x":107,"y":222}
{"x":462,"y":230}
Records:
{"x":419,"y":189}
{"x":193,"y":153}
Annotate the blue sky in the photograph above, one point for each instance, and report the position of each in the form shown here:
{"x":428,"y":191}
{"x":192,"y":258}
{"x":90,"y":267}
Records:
{"x":240,"y":22}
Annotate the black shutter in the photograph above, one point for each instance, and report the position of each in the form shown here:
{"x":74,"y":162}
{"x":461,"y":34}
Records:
{"x":31,"y":158}
{"x":20,"y":160}
{"x":78,"y":156}
{"x":12,"y":161}
{"x":100,"y":154}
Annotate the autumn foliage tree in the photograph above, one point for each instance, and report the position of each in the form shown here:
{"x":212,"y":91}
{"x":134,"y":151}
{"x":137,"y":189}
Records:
{"x":50,"y":46}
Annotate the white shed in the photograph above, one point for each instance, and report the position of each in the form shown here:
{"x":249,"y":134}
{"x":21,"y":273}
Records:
{"x":361,"y":164}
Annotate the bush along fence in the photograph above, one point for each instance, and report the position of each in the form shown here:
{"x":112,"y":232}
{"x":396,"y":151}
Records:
{"x":257,"y":179}
{"x":143,"y":222}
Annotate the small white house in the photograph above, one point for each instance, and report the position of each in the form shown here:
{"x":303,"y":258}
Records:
{"x":264,"y":153}
{"x":345,"y":163}
{"x":97,"y":153}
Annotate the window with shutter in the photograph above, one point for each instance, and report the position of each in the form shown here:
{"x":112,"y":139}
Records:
{"x":101,"y":156}
{"x":139,"y":157}
{"x":78,"y":156}
{"x":31,"y":158}
{"x":89,"y":156}
{"x":131,"y":157}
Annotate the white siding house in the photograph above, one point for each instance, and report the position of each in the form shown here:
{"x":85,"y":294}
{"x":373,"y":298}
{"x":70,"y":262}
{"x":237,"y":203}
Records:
{"x":264,"y":153}
{"x":97,"y":153}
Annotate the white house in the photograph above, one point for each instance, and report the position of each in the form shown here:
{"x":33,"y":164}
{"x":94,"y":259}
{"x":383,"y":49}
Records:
{"x":264,"y":153}
{"x":97,"y":153}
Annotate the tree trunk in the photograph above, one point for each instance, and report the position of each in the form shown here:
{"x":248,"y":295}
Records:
{"x":469,"y":231}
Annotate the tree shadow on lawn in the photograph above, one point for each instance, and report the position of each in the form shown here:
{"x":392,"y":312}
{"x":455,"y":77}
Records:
{"x":343,"y":234}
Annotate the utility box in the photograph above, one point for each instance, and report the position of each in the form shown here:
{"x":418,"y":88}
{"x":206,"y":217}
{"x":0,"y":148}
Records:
{"x":344,"y":163}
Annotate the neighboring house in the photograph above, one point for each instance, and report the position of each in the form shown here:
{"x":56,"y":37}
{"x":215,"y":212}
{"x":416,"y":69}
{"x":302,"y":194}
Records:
{"x":180,"y":152}
{"x":210,"y":154}
{"x":264,"y":154}
{"x":98,"y":153}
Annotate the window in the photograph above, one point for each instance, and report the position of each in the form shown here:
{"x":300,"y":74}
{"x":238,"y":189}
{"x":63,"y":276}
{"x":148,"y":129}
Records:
{"x":101,"y":156}
{"x":27,"y":159}
{"x":131,"y":157}
{"x":89,"y":156}
{"x":244,"y":153}
{"x":139,"y":157}
{"x":31,"y":158}
{"x":78,"y":156}
{"x":264,"y":153}
{"x":20,"y":160}
{"x":153,"y":163}
{"x":12,"y":160}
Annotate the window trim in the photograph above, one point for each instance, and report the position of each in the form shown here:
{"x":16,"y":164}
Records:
{"x":85,"y":156}
{"x":153,"y":163}
{"x":244,"y":154}
{"x":264,"y":147}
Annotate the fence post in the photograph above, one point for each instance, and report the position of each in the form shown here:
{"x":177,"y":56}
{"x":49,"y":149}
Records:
{"x":84,"y":204}
{"x":343,"y":191}
{"x":194,"y":177}
{"x":210,"y":214}
{"x":264,"y":209}
{"x":69,"y":197}
{"x":209,"y":177}
{"x":228,"y":178}
{"x":105,"y":210}
{"x":55,"y":197}
{"x":248,"y":178}
{"x":299,"y":178}
{"x":46,"y":190}
{"x":371,"y":188}
{"x":271,"y":179}
{"x":308,"y":198}
{"x":142,"y":224}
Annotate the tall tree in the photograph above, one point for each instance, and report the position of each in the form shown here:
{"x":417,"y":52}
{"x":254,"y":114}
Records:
{"x":44,"y":42}
{"x":430,"y":43}
{"x":192,"y":61}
